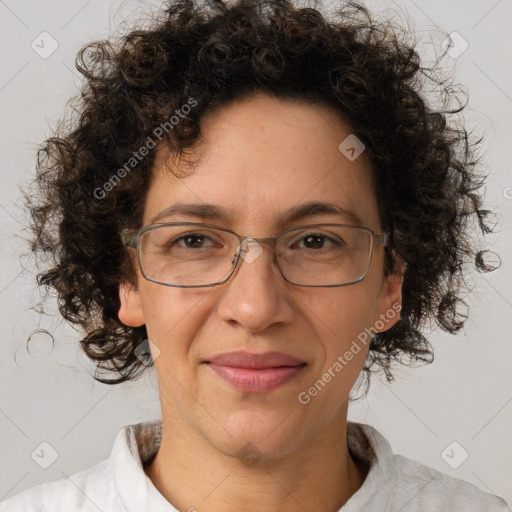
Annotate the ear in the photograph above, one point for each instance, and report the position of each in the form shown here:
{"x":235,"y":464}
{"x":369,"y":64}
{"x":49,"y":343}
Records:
{"x":389,"y":302}
{"x":130,"y":313}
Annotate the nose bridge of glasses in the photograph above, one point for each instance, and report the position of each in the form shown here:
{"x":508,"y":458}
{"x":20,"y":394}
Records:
{"x":259,"y":241}
{"x":247,"y":241}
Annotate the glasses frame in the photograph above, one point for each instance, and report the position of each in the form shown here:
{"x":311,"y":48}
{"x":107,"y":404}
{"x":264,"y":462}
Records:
{"x":131,"y":239}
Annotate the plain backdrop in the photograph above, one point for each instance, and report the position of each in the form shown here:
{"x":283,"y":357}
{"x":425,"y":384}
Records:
{"x":460,"y":406}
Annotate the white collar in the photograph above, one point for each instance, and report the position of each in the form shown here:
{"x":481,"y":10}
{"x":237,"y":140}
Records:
{"x":139,"y":442}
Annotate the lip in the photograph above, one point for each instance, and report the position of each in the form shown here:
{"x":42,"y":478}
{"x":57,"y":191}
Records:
{"x":255,"y":361}
{"x":256,"y":373}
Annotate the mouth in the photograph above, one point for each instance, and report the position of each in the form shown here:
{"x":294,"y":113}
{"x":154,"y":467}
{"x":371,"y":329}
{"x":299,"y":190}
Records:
{"x":256,"y":373}
{"x":255,"y":361}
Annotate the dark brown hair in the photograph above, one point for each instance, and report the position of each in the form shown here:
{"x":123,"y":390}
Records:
{"x":426,"y":173}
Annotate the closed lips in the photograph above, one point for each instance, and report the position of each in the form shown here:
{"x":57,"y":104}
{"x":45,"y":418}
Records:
{"x":255,"y":361}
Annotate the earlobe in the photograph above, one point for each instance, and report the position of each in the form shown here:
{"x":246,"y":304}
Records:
{"x":130,"y":312}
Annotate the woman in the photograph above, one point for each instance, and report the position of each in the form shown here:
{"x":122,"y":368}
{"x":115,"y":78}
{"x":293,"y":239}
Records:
{"x":259,"y":201}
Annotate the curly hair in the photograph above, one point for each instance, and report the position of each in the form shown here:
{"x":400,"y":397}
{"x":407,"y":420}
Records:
{"x":426,"y":173}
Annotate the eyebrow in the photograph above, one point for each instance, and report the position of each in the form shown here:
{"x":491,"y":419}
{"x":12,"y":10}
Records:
{"x":207,"y":211}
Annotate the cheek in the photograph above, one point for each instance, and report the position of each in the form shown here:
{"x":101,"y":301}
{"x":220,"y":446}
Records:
{"x":171,"y":316}
{"x":165,"y":312}
{"x":338,"y":319}
{"x":343,"y":313}
{"x":341,"y":321}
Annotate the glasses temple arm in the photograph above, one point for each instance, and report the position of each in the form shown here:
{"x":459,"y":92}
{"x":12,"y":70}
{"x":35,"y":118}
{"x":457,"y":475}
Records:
{"x":128,"y":237}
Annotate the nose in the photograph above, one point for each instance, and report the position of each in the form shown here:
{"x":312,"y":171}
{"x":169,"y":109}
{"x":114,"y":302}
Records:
{"x":256,"y":295}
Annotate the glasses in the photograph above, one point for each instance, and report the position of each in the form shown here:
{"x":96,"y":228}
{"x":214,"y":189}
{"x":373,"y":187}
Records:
{"x":192,"y":255}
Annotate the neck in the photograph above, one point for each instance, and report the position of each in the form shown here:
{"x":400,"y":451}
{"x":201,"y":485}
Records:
{"x":321,"y":475}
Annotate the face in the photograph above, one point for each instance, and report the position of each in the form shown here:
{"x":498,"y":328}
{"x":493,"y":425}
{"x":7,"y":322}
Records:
{"x":260,"y":157}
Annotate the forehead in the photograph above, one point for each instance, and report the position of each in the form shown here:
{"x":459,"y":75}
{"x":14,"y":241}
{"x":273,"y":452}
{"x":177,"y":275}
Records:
{"x":261,"y":157}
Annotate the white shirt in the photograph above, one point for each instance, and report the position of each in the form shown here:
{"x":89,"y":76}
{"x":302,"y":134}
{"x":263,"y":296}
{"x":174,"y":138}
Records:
{"x":119,"y":483}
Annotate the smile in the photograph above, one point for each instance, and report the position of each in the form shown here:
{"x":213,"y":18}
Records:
{"x":256,"y":380}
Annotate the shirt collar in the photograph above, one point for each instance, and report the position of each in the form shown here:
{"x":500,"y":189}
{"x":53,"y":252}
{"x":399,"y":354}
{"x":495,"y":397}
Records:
{"x":133,"y":446}
{"x":137,"y":443}
{"x":368,"y":445}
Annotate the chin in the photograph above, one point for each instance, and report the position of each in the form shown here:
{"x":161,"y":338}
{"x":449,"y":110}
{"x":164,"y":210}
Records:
{"x":255,"y":436}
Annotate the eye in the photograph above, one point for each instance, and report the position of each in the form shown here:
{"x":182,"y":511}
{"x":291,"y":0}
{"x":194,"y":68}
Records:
{"x":193,"y":240}
{"x":316,"y":241}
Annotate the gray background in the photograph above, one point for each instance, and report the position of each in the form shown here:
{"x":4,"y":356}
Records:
{"x":48,"y":395}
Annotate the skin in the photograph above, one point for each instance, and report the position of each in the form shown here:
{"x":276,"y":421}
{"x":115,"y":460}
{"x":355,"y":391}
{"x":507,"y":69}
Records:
{"x":259,"y":157}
